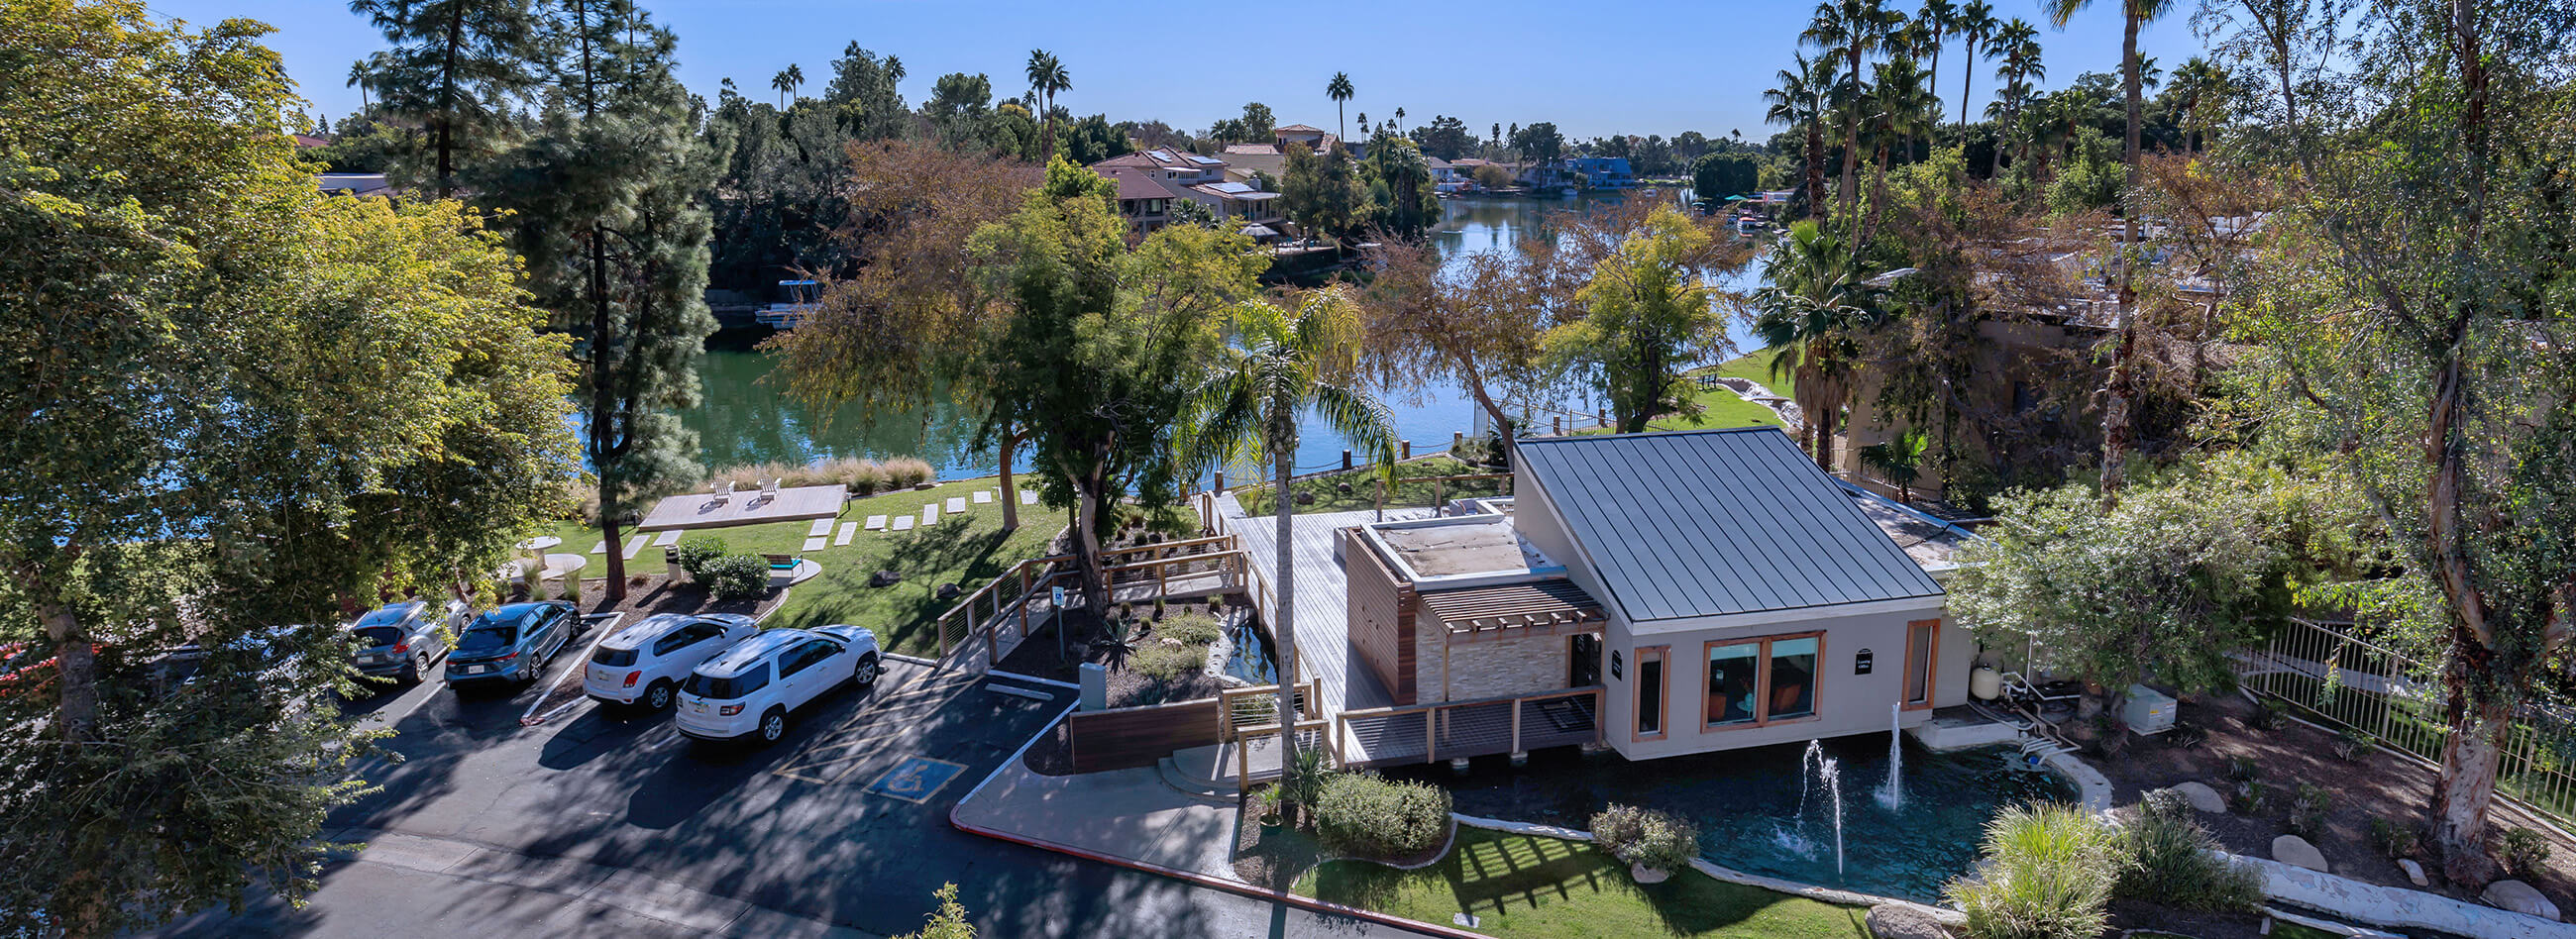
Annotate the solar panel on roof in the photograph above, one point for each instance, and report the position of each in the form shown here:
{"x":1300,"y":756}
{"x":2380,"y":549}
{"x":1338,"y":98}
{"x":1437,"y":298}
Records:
{"x":1205,"y":161}
{"x":1231,"y":188}
{"x":1159,"y":154}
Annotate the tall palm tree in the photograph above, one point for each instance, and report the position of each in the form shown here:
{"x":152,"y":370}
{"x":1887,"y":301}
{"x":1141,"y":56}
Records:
{"x":1902,"y":111}
{"x":2117,"y":413}
{"x":787,"y":82}
{"x":1399,"y":120}
{"x":1285,"y":367}
{"x":1797,"y":99}
{"x":2017,"y":43}
{"x":1818,"y":303}
{"x":1340,"y":91}
{"x":359,"y":78}
{"x":1940,"y":18}
{"x":1975,"y":23}
{"x":1849,"y":30}
{"x":1046,"y":77}
{"x":2198,"y":82}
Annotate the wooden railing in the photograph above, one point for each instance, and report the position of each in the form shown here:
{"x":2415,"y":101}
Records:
{"x":1246,"y":716}
{"x":976,"y":623}
{"x":1451,"y":729}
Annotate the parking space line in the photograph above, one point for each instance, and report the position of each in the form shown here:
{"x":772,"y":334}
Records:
{"x":935,"y":690}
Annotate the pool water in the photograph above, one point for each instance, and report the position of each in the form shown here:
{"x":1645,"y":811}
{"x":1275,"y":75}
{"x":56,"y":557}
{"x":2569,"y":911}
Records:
{"x":1747,"y":805}
{"x":1250,"y":658}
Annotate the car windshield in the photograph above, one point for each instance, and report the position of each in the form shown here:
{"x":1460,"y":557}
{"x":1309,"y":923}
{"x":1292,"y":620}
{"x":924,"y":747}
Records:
{"x":369,"y":636}
{"x":488,"y":638}
{"x":614,"y":658}
{"x":729,"y":687}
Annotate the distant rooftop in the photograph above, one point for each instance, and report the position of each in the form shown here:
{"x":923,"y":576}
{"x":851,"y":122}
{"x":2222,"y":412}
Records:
{"x":1933,"y":545}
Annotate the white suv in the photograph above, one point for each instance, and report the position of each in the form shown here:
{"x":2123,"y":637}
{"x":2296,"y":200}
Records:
{"x":752,"y":687}
{"x":646,"y":662}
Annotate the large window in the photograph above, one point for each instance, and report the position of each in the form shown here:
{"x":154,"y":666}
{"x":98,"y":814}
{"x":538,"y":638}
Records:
{"x":1650,"y":692}
{"x":1922,"y":646}
{"x":1758,"y":681}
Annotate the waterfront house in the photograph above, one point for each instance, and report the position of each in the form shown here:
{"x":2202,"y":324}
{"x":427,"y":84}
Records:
{"x":1150,"y":181}
{"x":1718,"y":589}
{"x":1600,"y":172}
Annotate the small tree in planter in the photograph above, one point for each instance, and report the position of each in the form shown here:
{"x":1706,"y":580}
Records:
{"x":1655,"y":843}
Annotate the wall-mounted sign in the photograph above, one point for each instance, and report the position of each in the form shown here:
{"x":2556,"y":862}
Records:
{"x":1862,"y":661}
{"x":1614,"y":664}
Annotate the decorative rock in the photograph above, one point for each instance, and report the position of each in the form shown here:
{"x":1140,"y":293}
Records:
{"x":1891,"y":921}
{"x":884,"y":579}
{"x":1647,"y":875}
{"x":949,"y":591}
{"x":2414,"y":871}
{"x":2521,"y":898}
{"x":2201,"y":797}
{"x":2294,"y":850}
{"x":1305,"y":498}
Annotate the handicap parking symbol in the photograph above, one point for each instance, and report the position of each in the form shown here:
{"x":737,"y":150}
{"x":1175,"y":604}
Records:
{"x":915,"y":778}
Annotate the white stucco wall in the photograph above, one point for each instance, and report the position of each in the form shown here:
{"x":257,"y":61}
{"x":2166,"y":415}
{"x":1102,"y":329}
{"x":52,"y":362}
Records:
{"x":1846,"y":703}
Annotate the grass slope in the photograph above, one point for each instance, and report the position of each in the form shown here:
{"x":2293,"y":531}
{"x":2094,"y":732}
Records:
{"x":1363,"y":495}
{"x":967,"y":549}
{"x":1722,"y":408}
{"x":1519,"y":885}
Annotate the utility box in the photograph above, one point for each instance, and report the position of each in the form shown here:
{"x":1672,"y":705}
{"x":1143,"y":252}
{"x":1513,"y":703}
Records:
{"x":2148,"y":711}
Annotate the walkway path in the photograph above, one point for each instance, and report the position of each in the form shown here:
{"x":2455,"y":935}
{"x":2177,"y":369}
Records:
{"x":1322,"y":602}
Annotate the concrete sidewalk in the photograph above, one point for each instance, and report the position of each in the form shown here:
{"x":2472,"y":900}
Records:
{"x":1127,"y":814}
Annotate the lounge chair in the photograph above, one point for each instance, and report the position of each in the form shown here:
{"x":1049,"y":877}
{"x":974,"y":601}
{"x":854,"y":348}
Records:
{"x":768,"y":490}
{"x":723,"y":491}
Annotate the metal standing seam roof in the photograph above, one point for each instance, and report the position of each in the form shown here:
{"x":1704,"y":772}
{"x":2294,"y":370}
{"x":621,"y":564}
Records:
{"x":1709,"y":523}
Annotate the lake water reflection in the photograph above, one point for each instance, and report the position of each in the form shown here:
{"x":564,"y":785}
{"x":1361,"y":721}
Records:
{"x":744,"y":417}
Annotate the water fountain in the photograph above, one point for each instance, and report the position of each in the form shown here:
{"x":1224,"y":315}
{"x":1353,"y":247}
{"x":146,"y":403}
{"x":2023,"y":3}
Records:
{"x":1815,"y":765}
{"x":1892,"y":795}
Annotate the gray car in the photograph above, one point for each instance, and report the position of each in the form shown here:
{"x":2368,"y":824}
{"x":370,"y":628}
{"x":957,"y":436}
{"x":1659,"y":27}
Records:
{"x":511,"y":643}
{"x":399,"y":641}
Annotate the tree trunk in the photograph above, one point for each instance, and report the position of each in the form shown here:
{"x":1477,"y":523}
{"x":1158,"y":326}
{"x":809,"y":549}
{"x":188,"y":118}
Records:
{"x":1967,"y":87}
{"x":1816,"y":166}
{"x":1283,"y":610}
{"x":1850,"y":192}
{"x":447,"y":102}
{"x":76,"y":666}
{"x":1010,"y":446}
{"x":2466,"y":787}
{"x":1086,"y":548}
{"x":2119,"y":414}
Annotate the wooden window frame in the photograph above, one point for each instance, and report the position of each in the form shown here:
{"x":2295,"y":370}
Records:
{"x":1931,"y":665}
{"x":1663,"y":656}
{"x":1762,"y":681}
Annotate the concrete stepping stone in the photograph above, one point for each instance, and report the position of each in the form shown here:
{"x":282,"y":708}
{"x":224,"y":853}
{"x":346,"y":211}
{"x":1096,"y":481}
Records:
{"x":983,"y":496}
{"x":1028,"y":497}
{"x":822,"y":528}
{"x":634,"y":545}
{"x":876,"y":523}
{"x":600,"y":548}
{"x":903,"y":523}
{"x":848,"y":530}
{"x":929,"y":515}
{"x":668,"y":538}
{"x":817,"y":543}
{"x":956,"y":505}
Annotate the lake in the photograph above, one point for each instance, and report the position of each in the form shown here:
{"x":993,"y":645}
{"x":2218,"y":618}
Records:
{"x":745,"y":418}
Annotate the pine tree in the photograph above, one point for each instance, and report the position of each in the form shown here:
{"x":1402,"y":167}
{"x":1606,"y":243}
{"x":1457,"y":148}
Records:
{"x":456,"y":66}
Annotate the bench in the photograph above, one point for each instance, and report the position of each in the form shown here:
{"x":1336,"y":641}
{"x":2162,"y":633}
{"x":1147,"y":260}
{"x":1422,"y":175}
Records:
{"x":782,"y":562}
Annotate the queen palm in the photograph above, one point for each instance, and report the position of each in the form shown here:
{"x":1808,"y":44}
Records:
{"x":1797,"y":99}
{"x":2198,"y":83}
{"x":1849,"y":30}
{"x":2017,"y":43}
{"x":1902,"y":111}
{"x":1284,"y":367}
{"x":1046,"y":77}
{"x":787,"y":82}
{"x":1818,"y":302}
{"x":1340,"y":91}
{"x":1975,"y":23}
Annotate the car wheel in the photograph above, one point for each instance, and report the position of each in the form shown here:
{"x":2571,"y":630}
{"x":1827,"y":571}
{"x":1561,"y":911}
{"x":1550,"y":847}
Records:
{"x":870,"y":671}
{"x":658,"y":696}
{"x":417,"y":670}
{"x":773,"y":725}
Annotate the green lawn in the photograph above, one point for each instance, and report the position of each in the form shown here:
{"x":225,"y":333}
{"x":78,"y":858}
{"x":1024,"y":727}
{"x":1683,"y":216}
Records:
{"x":1527,"y":886}
{"x":967,"y":549}
{"x":1363,"y":495}
{"x":1721,"y":407}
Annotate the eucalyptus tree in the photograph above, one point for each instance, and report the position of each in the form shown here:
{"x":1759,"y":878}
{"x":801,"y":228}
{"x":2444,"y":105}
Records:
{"x":1281,"y":369}
{"x":1849,"y":30}
{"x":232,"y":403}
{"x":457,"y":66}
{"x":1797,"y":99}
{"x":1975,"y":23}
{"x":1047,"y":76}
{"x":1339,"y":89}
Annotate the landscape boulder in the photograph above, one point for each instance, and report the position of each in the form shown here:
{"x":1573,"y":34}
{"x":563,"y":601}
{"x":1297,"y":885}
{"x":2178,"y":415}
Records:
{"x":949,"y":591}
{"x":2521,"y":898}
{"x":1305,"y":498}
{"x":2202,"y":797}
{"x":884,"y":579}
{"x":2297,"y":852}
{"x":1896,"y":921}
{"x":2414,"y":871}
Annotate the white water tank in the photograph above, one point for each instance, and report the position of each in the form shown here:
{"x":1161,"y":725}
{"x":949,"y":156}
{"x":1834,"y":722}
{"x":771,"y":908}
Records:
{"x":1985,"y":684}
{"x":2148,"y":711}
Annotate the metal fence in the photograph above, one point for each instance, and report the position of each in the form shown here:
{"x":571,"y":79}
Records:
{"x":2327,"y":673}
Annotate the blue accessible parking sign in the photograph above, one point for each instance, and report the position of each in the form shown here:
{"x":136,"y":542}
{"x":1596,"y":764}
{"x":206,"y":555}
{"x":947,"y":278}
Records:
{"x":915,"y":778}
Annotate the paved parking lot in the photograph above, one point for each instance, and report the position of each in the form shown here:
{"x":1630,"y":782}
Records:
{"x":603,"y":821}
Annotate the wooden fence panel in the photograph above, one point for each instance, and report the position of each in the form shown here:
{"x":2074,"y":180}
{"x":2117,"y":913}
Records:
{"x":1124,"y":738}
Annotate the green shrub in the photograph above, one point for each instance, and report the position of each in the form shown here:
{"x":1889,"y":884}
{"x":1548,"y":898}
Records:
{"x":2350,"y":744}
{"x":2048,"y":874}
{"x":2244,"y":768}
{"x":1650,"y":838}
{"x":1364,"y":815}
{"x":1302,"y":781}
{"x":2166,"y":859}
{"x":2395,"y":838}
{"x":2308,"y":811}
{"x":2251,"y":796}
{"x":2271,"y":714}
{"x":1167,"y":663}
{"x":865,"y":477}
{"x":2523,"y":851}
{"x":904,"y":472}
{"x":694,"y":551}
{"x":1191,"y":630}
{"x":736,"y":577}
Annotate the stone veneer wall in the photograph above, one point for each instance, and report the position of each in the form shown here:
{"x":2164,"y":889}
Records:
{"x":1486,"y":668}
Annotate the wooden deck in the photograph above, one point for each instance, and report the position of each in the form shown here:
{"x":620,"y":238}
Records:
{"x":1322,"y":604}
{"x":745,"y":507}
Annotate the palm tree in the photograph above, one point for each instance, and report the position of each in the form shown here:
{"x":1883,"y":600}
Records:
{"x":1975,"y":22}
{"x":1399,"y":120}
{"x":1903,"y":110}
{"x":359,"y":79}
{"x":1817,"y":304}
{"x":2197,"y":83}
{"x":1046,"y":77}
{"x":787,"y":82}
{"x":2017,"y":43}
{"x":1284,"y":367}
{"x":1340,"y":91}
{"x":1940,"y":18}
{"x":1900,"y":460}
{"x":1849,"y":30}
{"x":1797,"y":99}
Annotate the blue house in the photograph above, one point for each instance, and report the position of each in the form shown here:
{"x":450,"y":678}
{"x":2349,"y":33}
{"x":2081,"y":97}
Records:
{"x":1601,"y":172}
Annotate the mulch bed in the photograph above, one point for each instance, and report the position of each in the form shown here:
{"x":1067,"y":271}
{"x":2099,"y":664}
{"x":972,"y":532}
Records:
{"x":1037,"y":656}
{"x":1271,"y":859}
{"x":2379,"y":784}
{"x":658,"y":595}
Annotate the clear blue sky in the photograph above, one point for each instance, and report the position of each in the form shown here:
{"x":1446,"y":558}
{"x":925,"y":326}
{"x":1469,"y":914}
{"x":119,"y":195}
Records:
{"x":1610,"y":66}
